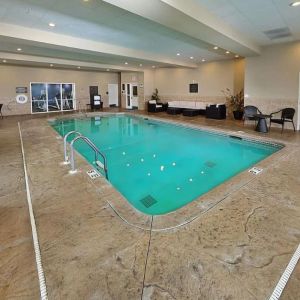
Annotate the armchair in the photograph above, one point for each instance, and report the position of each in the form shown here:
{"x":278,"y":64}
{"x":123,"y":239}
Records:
{"x":249,"y":113}
{"x":154,"y":106}
{"x":287,"y":115}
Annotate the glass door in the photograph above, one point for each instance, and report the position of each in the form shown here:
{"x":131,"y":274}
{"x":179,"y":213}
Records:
{"x":128,"y":96}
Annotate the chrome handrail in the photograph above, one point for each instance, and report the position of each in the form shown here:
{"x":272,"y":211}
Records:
{"x":66,"y":158}
{"x":93,"y":146}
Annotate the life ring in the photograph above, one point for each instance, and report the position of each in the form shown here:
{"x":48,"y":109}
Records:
{"x":21,"y":99}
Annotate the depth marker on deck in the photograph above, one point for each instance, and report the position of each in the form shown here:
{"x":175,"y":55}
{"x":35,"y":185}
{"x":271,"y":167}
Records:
{"x":36,"y":245}
{"x":286,"y":275}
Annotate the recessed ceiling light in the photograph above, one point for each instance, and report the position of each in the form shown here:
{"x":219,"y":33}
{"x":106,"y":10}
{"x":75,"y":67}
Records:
{"x":4,"y":60}
{"x":51,"y":65}
{"x":126,"y":63}
{"x":216,"y":47}
{"x":178,"y":54}
{"x":227,"y":52}
{"x":297,"y":3}
{"x":203,"y":59}
{"x":236,"y":56}
{"x":51,"y":24}
{"x":19,"y":49}
{"x":192,"y":57}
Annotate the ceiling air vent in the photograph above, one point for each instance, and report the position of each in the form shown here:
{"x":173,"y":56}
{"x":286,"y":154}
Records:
{"x":278,"y":33}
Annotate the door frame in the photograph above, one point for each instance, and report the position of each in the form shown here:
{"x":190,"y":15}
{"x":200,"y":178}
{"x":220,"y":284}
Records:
{"x":298,"y":108}
{"x":129,"y":96}
{"x":117,"y":85}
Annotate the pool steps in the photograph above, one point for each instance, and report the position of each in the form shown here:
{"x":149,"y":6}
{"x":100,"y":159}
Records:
{"x":79,"y":136}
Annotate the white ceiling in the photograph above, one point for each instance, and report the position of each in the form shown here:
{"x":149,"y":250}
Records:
{"x":111,"y":32}
{"x":253,"y":17}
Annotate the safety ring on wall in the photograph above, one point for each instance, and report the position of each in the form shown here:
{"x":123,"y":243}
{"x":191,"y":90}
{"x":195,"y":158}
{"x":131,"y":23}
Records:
{"x":21,"y":99}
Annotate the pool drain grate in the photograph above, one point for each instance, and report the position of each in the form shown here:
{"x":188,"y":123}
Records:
{"x":148,"y":201}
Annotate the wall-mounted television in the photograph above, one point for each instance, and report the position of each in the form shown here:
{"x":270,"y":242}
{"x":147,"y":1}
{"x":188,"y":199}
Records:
{"x":193,"y":87}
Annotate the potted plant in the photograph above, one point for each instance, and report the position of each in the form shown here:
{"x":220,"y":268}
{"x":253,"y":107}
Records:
{"x":155,"y":95}
{"x":236,"y":102}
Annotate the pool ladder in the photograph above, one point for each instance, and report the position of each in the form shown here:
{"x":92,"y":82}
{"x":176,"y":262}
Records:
{"x":79,"y":136}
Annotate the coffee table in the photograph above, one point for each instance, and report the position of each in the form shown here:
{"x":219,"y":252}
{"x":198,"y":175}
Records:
{"x":190,"y":112}
{"x":174,"y":110}
{"x":262,"y":123}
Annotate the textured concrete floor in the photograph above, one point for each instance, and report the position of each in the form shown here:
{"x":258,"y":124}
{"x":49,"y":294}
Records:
{"x":238,"y":250}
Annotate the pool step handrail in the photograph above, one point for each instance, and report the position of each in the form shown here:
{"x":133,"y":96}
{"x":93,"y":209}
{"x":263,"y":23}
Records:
{"x":66,"y":158}
{"x":96,"y":151}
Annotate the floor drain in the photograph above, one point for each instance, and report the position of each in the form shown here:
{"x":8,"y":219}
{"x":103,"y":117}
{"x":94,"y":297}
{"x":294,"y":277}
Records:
{"x":210,"y":164}
{"x":93,"y":174}
{"x":148,"y":201}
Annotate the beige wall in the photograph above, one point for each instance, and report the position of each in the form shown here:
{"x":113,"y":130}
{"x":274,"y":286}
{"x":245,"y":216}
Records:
{"x":17,"y":76}
{"x":134,"y":77}
{"x":239,"y":75}
{"x":212,"y":77}
{"x":149,"y":86}
{"x":272,"y":79}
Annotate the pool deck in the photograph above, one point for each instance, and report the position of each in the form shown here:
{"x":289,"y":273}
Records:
{"x":238,"y":249}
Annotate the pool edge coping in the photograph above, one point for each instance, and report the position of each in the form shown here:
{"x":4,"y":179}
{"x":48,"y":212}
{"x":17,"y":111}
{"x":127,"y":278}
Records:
{"x":129,"y":214}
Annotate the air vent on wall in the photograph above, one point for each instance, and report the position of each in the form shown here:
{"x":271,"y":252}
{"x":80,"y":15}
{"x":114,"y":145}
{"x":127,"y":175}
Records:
{"x":278,"y":33}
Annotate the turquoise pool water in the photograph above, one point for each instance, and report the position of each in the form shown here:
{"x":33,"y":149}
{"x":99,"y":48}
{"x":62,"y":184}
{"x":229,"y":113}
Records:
{"x":160,"y":167}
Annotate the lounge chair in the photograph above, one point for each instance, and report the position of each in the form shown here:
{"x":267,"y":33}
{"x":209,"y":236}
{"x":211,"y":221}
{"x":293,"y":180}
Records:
{"x":287,"y":115}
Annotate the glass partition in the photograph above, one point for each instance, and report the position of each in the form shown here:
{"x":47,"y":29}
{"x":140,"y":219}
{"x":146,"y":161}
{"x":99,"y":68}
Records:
{"x":51,"y":97}
{"x":67,"y":96}
{"x":54,"y":97}
{"x":39,"y":97}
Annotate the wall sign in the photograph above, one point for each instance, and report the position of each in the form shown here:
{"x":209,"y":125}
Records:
{"x":21,"y":90}
{"x":194,"y":88}
{"x":21,"y":99}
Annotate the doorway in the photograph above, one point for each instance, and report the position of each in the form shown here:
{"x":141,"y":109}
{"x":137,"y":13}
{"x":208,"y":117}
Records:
{"x":113,"y":95}
{"x":298,"y":119}
{"x":93,"y":92}
{"x":131,"y":92}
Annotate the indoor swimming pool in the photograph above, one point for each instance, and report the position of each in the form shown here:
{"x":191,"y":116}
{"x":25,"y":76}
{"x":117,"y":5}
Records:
{"x":158,"y":166}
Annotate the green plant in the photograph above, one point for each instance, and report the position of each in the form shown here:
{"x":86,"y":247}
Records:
{"x":155,"y":95}
{"x":235,"y":101}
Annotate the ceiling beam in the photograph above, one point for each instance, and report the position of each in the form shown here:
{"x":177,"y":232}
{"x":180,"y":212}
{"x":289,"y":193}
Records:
{"x":192,"y":19}
{"x":57,"y":62}
{"x":65,"y":42}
